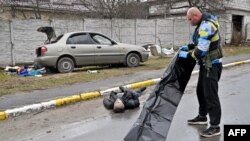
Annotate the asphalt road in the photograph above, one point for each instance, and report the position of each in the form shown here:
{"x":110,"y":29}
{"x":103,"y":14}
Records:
{"x":89,"y":121}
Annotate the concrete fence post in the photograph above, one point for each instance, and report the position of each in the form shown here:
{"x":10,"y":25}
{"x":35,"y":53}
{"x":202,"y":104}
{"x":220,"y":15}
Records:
{"x":67,"y":26}
{"x":50,"y":22}
{"x":135,"y":31}
{"x":173,"y":33}
{"x":247,"y":32}
{"x":156,"y":31}
{"x":83,"y":22}
{"x":119,"y":30}
{"x":13,"y":62}
{"x":111,"y":27}
{"x":225,"y":32}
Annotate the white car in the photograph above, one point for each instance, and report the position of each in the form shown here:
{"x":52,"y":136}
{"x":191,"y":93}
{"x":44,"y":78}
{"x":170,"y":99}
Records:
{"x":77,"y":49}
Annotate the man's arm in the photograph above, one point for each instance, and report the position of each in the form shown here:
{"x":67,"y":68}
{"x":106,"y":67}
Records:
{"x":113,"y":95}
{"x":108,"y":103}
{"x":206,"y":31}
{"x":132,"y":103}
{"x":130,"y":100}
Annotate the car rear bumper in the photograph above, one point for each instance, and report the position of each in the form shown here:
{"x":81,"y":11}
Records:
{"x":49,"y":61}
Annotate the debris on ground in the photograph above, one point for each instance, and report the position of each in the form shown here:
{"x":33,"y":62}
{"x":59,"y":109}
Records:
{"x":24,"y":71}
{"x":157,"y":50}
{"x":92,"y":71}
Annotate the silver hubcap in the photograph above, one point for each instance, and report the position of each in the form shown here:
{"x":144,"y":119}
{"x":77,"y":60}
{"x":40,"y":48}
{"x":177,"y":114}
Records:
{"x":133,"y":60}
{"x":66,"y":65}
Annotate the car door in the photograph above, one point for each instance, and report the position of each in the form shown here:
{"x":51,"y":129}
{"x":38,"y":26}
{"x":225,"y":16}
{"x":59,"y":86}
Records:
{"x":82,"y":47}
{"x":106,"y":50}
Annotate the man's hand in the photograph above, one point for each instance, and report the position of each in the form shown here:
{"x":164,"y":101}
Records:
{"x":184,"y":48}
{"x":183,"y":54}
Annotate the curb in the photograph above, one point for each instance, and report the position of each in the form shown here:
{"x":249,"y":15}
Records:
{"x":10,"y":113}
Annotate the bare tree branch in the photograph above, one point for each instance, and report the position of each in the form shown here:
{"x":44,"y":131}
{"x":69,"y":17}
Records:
{"x":95,"y":8}
{"x":113,"y":8}
{"x":204,"y":5}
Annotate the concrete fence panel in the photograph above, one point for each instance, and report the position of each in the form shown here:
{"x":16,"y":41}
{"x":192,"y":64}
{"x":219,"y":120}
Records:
{"x":124,"y":30}
{"x":145,"y":32}
{"x":182,"y":32}
{"x":26,"y":38}
{"x":98,"y":25}
{"x":164,"y":33}
{"x":5,"y":43}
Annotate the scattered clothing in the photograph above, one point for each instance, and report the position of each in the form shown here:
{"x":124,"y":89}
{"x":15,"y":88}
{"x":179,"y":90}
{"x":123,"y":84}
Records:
{"x":24,"y":71}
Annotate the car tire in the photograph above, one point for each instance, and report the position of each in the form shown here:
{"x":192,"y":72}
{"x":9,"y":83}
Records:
{"x":132,"y":60}
{"x":65,"y":65}
{"x":52,"y":70}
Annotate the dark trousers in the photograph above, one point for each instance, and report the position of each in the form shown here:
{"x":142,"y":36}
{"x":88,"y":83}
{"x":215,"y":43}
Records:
{"x":207,"y":93}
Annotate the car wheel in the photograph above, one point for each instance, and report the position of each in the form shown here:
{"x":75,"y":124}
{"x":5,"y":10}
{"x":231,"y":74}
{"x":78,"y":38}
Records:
{"x":132,"y":60}
{"x":52,"y":70}
{"x":65,"y":65}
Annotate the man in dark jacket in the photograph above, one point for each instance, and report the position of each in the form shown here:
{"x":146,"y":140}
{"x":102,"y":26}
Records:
{"x":206,"y":50}
{"x":127,"y":99}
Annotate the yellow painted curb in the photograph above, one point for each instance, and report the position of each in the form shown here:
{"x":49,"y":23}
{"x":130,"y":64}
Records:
{"x":239,"y":62}
{"x":67,"y":100}
{"x":3,"y":115}
{"x":85,"y":96}
{"x":142,"y":84}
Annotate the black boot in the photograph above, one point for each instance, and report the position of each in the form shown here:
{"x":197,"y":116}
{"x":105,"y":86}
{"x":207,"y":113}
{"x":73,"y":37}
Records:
{"x":199,"y":120}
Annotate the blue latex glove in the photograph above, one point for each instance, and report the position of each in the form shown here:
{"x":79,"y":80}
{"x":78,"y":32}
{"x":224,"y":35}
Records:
{"x":184,"y":48}
{"x":183,"y":54}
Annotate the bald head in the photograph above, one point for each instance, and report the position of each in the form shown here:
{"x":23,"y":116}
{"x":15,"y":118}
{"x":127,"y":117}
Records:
{"x":194,"y":15}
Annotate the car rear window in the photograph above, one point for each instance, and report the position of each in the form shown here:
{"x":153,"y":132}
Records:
{"x":79,"y":39}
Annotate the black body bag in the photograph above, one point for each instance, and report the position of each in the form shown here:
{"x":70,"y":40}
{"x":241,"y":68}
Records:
{"x":157,"y":113}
